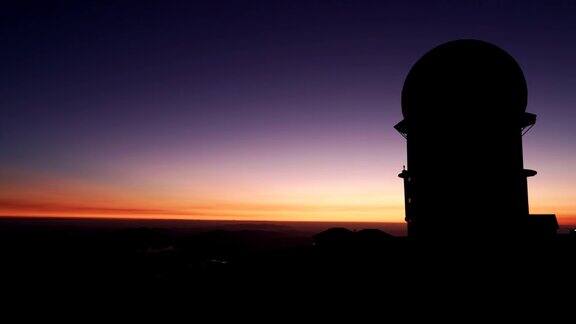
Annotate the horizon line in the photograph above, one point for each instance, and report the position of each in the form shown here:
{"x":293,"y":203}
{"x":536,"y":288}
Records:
{"x":137,"y":218}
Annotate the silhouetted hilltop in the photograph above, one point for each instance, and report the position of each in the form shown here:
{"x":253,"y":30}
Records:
{"x":137,"y":258}
{"x":342,"y":237}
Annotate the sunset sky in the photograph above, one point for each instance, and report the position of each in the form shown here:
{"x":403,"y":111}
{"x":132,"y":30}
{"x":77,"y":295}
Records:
{"x":252,"y":110}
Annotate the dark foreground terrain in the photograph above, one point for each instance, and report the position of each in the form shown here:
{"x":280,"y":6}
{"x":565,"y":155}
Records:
{"x":40,"y":257}
{"x":154,"y":253}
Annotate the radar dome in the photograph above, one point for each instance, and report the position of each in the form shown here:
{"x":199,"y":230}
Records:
{"x":464,"y":78}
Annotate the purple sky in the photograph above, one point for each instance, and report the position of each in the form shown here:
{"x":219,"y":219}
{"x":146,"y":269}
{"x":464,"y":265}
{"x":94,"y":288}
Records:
{"x":273,"y":109}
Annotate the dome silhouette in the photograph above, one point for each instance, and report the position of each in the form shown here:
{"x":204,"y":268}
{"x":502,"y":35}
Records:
{"x":461,"y":78}
{"x":464,"y":113}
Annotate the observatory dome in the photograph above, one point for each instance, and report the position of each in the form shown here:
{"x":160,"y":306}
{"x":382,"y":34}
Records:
{"x":464,"y":78}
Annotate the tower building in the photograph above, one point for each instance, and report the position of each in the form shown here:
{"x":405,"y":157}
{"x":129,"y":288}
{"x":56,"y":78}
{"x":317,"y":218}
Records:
{"x":464,"y":108}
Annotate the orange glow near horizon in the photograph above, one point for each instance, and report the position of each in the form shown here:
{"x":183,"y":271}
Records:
{"x":212,"y":211}
{"x":294,"y":186}
{"x":352,"y":200}
{"x":45,"y":196}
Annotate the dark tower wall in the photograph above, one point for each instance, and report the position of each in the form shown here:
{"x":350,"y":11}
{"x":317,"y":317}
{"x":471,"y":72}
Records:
{"x":464,"y":112}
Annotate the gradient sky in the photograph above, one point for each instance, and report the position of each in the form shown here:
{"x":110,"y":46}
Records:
{"x":260,"y":110}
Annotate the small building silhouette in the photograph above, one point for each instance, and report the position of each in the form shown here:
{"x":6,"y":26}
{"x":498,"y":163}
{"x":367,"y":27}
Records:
{"x":464,"y":114}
